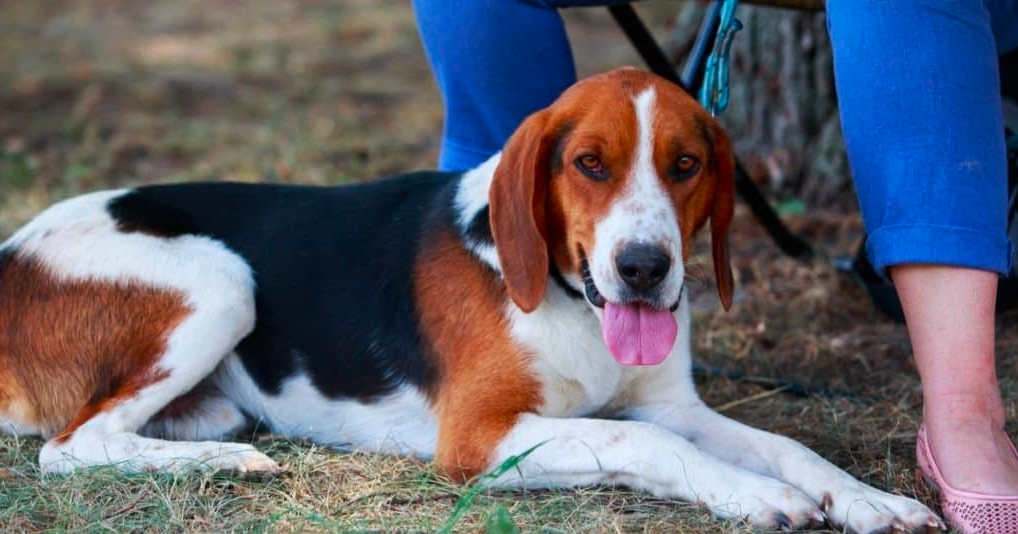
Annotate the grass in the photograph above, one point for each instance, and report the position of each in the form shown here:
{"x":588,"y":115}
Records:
{"x":117,"y":93}
{"x":322,"y":491}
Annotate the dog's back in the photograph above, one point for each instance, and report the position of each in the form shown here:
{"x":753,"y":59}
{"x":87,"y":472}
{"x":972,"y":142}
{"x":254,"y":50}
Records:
{"x":331,"y":272}
{"x":332,"y":269}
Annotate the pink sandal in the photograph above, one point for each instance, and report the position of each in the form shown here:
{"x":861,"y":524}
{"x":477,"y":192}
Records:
{"x":972,"y":513}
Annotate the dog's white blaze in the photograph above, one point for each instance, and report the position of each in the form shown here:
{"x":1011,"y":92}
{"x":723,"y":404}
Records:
{"x":643,"y":213}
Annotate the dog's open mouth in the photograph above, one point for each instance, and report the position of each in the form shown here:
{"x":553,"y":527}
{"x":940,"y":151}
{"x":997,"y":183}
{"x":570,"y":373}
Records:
{"x":634,"y":332}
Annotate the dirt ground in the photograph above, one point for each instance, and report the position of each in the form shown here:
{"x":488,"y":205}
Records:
{"x":114,"y":93}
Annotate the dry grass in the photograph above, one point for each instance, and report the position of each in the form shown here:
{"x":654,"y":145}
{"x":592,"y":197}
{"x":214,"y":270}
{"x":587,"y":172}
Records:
{"x":114,"y":93}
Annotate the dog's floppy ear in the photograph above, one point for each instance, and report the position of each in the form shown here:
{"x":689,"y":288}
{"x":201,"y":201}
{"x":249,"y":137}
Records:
{"x":517,"y":199}
{"x":722,"y":209}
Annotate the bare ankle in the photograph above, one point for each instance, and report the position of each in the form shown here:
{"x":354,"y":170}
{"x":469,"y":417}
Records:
{"x":965,"y":407}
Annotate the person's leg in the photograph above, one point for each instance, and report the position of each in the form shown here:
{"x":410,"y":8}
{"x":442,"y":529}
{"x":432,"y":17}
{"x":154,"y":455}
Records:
{"x":920,"y":104}
{"x":495,"y":61}
{"x":950,"y":314}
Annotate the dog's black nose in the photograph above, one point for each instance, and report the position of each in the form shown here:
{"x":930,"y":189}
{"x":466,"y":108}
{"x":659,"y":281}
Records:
{"x":642,"y":266}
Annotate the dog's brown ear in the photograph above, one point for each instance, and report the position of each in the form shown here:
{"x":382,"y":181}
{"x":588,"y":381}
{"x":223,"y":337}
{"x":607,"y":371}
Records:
{"x":517,"y":199}
{"x":722,"y":210}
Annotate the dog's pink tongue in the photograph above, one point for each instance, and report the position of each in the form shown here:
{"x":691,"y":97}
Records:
{"x":636,"y":334}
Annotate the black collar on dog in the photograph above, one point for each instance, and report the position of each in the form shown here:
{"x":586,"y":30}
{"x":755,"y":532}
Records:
{"x":556,"y":275}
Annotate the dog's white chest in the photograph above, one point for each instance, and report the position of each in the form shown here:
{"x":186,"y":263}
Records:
{"x":578,"y":375}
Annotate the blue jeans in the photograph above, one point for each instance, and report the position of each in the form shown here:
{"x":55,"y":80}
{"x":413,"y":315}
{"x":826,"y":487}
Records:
{"x":919,"y":94}
{"x":917,"y":84}
{"x":495,"y":62}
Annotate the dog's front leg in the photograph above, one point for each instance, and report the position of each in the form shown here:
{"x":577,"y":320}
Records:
{"x":582,"y":452}
{"x":848,"y":502}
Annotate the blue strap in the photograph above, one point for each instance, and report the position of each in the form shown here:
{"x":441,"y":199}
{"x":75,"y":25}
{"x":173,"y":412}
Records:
{"x":714,"y":91}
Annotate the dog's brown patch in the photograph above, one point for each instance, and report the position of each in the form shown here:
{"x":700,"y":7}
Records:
{"x":608,"y":128}
{"x":485,"y":382}
{"x":70,"y":349}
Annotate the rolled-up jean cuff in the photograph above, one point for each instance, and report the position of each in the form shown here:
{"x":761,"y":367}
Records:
{"x":937,"y":244}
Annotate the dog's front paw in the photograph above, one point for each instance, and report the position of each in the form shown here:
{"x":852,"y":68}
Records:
{"x":769,"y":503}
{"x":865,"y":510}
{"x":240,"y":458}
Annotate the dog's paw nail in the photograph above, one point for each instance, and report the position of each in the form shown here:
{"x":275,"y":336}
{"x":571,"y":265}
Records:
{"x":783,"y":522}
{"x":826,"y":503}
{"x":897,"y":525}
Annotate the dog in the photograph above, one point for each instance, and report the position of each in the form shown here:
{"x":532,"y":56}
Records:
{"x":534,"y":306}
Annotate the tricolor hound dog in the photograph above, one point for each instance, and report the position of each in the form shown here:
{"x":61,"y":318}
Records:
{"x":536,"y":299}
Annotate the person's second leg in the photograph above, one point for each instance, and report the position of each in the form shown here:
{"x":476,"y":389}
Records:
{"x":950,"y":314}
{"x":920,"y":103}
{"x":495,"y":61}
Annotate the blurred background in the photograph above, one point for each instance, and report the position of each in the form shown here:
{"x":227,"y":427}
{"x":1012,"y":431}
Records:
{"x":111,"y":93}
{"x":107,"y":93}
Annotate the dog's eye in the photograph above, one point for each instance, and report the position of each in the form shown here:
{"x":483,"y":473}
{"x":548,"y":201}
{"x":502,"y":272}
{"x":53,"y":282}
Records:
{"x":684,"y":168}
{"x":591,"y":166}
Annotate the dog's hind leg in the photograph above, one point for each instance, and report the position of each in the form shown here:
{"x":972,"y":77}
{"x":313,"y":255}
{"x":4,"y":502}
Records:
{"x":103,"y":328}
{"x":214,"y":320}
{"x":104,"y":430}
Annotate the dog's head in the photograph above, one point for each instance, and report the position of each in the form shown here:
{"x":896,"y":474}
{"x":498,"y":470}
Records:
{"x":609,"y":185}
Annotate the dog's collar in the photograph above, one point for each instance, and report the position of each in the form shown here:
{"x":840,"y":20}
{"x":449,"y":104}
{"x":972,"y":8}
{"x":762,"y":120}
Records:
{"x":556,"y":275}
